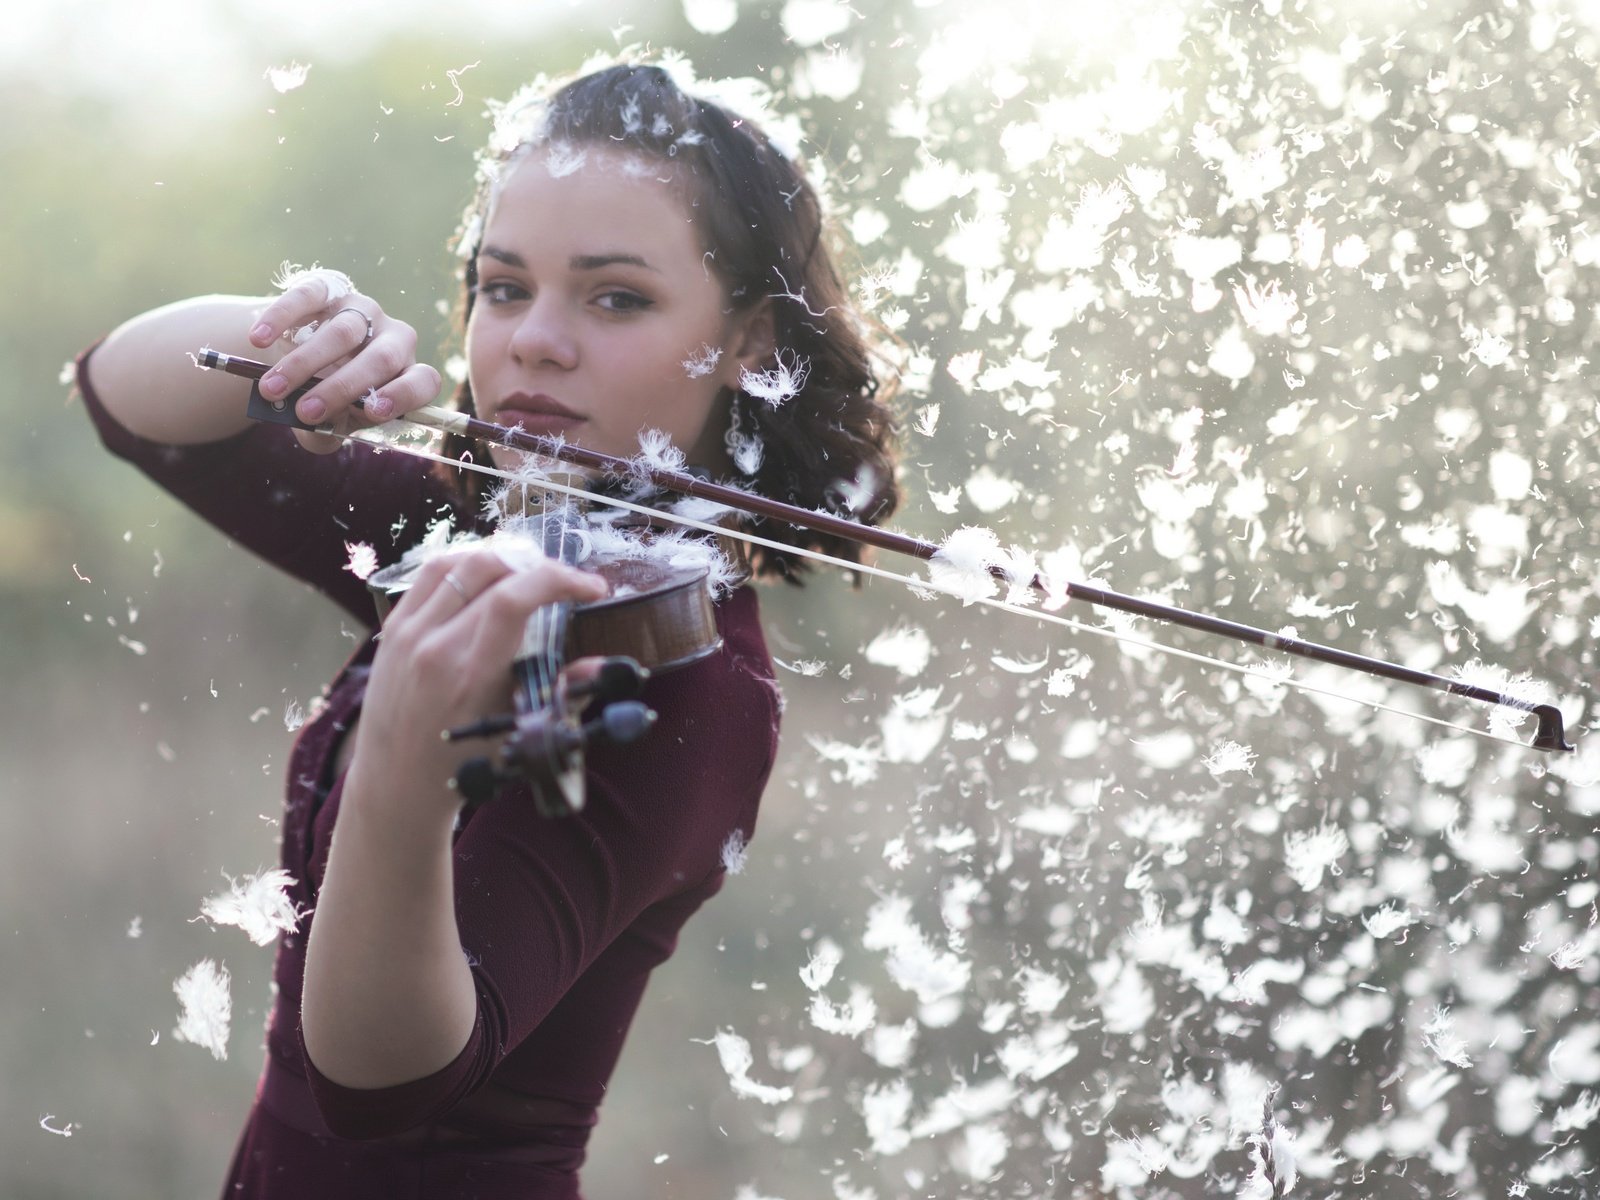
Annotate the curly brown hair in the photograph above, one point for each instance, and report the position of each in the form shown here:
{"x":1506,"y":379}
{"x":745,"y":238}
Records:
{"x":830,"y":447}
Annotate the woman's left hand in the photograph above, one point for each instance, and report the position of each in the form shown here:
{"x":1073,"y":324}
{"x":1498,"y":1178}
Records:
{"x":444,"y":661}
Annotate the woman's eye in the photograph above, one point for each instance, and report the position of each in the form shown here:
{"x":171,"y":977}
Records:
{"x":623,"y":302}
{"x":500,"y":292}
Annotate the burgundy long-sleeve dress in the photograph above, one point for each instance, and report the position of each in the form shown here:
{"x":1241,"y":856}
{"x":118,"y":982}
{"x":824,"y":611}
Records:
{"x":562,"y":920}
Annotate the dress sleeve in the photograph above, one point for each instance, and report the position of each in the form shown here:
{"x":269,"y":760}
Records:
{"x":298,"y":511}
{"x":537,"y":900}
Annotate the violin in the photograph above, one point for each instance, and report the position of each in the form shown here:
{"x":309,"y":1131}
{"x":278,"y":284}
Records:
{"x":656,"y":617}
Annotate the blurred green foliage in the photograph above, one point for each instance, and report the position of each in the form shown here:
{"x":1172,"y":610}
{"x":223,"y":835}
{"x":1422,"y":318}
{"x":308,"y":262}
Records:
{"x":149,"y":665}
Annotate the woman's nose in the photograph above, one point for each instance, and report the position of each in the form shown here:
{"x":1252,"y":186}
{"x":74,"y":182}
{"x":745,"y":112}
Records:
{"x":545,"y":335}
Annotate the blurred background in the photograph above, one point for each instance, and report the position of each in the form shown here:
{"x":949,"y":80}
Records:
{"x":1277,"y":309}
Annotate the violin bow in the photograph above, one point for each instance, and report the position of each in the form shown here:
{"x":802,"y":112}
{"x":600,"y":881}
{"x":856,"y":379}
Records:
{"x":1549,"y":736}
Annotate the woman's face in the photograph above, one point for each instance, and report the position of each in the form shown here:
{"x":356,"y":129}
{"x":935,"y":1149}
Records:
{"x":598,"y":313}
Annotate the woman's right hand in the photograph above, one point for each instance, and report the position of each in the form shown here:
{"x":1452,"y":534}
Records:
{"x":381,"y":369}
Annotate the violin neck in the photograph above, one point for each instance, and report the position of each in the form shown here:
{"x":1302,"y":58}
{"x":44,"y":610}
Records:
{"x":544,"y":638}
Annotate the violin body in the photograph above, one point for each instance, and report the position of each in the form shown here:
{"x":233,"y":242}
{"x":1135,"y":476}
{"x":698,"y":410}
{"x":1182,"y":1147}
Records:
{"x":659,"y":615}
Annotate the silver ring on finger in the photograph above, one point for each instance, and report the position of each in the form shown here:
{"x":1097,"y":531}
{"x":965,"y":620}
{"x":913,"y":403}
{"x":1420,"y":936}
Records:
{"x":450,"y":578}
{"x":364,"y":341}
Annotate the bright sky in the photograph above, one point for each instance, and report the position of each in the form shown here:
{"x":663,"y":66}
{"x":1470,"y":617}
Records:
{"x":196,"y":57}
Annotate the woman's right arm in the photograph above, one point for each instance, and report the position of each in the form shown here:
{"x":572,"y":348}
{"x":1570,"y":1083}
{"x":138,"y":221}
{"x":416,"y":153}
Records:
{"x":145,"y":375}
{"x":153,"y":407}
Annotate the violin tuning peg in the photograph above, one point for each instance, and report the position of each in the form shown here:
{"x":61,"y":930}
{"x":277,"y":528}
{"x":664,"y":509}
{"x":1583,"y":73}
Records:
{"x":620,"y":723}
{"x":477,"y":780}
{"x":618,"y":678}
{"x":487,"y":727}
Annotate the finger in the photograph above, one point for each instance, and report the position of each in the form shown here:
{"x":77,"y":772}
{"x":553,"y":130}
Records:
{"x":292,"y":309}
{"x":450,"y":584}
{"x":390,"y":354}
{"x":350,"y":322}
{"x":319,"y":443}
{"x":584,"y":670}
{"x":319,"y":343}
{"x":373,"y":365}
{"x":445,"y":585}
{"x":329,"y":435}
{"x":416,"y":386}
{"x":506,"y":606}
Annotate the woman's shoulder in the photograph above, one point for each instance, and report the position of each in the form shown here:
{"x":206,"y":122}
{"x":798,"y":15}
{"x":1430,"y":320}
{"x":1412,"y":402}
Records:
{"x":745,"y":661}
{"x":739,"y":621}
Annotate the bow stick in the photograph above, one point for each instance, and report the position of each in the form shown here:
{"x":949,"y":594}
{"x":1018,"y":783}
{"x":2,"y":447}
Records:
{"x":1549,"y":736}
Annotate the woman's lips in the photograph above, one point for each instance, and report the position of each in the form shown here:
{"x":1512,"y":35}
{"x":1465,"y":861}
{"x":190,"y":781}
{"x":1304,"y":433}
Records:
{"x":536,"y":414}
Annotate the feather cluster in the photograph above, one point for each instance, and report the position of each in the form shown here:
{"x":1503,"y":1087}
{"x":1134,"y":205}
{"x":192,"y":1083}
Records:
{"x":206,"y":1007}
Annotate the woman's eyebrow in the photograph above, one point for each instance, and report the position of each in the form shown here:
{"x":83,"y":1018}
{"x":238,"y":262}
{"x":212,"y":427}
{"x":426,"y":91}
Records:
{"x":578,"y":262}
{"x":506,"y":256}
{"x":591,"y":262}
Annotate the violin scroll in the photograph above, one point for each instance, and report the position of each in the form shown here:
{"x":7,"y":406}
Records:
{"x":545,"y":745}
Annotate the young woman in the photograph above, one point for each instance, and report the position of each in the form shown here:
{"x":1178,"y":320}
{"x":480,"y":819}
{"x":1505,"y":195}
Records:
{"x":636,"y":259}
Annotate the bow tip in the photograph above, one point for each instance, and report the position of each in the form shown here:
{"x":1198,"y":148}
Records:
{"x":1551,"y":734}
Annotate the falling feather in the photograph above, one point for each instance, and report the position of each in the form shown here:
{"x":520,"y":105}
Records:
{"x":258,"y":904}
{"x":205,"y":1007}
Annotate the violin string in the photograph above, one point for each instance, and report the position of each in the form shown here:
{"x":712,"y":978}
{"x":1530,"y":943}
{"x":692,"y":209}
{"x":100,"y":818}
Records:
{"x":545,"y":623}
{"x":925,"y":585}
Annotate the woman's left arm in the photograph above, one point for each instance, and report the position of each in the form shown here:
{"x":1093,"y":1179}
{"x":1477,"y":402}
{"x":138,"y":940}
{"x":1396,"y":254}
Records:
{"x":389,"y":997}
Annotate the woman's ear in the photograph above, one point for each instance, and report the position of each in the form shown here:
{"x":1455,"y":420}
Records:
{"x":752,"y":339}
